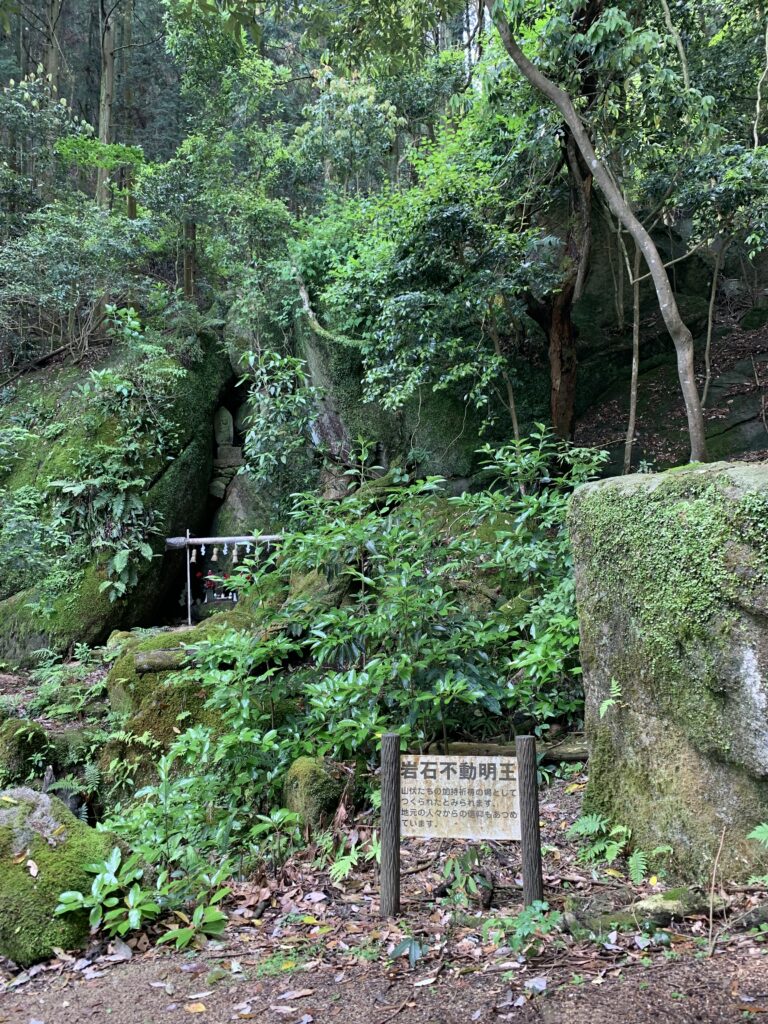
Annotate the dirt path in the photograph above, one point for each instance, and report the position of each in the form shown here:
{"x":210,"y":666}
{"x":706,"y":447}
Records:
{"x":174,"y":988}
{"x":302,"y":949}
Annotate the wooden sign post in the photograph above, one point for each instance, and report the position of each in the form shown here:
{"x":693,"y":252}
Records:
{"x":443,"y":796}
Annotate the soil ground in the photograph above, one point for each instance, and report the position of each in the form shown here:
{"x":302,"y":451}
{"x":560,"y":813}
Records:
{"x":301,"y":949}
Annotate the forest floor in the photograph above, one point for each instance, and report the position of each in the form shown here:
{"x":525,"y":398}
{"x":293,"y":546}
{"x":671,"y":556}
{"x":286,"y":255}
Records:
{"x":301,"y":949}
{"x":736,"y":412}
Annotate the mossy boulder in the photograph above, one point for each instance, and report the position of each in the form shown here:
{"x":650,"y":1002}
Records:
{"x":39,"y":829}
{"x":176,"y":493}
{"x":154,"y":701}
{"x":144,"y":683}
{"x":24,"y":747}
{"x":672,"y":589}
{"x":312,"y":789}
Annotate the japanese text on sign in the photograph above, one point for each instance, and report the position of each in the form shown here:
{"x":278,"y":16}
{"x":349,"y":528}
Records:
{"x":459,"y":797}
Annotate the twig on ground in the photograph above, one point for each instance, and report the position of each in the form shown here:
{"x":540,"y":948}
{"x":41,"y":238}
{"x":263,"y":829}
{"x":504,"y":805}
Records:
{"x":400,"y":1009}
{"x":711,"y":947}
{"x":424,"y":866}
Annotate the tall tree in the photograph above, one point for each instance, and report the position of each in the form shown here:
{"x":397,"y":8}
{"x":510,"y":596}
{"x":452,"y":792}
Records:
{"x":679,"y":332}
{"x":52,"y":42}
{"x":108,"y":24}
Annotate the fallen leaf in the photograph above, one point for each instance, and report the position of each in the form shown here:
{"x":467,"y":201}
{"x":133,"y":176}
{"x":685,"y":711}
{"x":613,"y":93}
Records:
{"x":120,"y":951}
{"x":195,"y":1008}
{"x":33,"y":869}
{"x":297,"y":993}
{"x":200,"y":995}
{"x":425,"y":981}
{"x":536,"y":985}
{"x":315,"y":897}
{"x":217,"y":974}
{"x":165,"y":985}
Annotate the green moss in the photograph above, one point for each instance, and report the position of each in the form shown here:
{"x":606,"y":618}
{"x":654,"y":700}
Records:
{"x":159,"y":702}
{"x":24,"y":746}
{"x":311,"y":790}
{"x":672,"y":584}
{"x":22,"y":629}
{"x":664,"y":549}
{"x":176,"y":494}
{"x":45,"y":832}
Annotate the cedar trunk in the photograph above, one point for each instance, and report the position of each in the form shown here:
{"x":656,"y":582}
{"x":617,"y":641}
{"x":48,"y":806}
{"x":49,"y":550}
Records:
{"x":562,"y":363}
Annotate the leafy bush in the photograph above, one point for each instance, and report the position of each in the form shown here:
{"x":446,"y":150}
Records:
{"x":388,"y":609}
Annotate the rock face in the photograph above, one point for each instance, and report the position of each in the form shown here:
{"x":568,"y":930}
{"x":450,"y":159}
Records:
{"x":312,"y":791}
{"x":175,"y":494}
{"x":43,"y":852}
{"x":672,"y":587}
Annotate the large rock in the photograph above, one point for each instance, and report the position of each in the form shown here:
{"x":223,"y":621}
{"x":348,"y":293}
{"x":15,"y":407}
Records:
{"x":24,"y":750}
{"x":176,"y":493}
{"x":44,"y":850}
{"x":313,"y":790}
{"x":672,"y":586}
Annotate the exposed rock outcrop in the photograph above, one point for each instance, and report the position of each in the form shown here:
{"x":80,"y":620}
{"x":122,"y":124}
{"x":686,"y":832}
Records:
{"x":672,"y":586}
{"x":44,"y":849}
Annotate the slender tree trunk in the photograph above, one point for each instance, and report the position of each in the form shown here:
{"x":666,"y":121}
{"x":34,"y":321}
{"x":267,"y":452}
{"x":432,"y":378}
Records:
{"x":52,"y":46}
{"x":635,"y":363}
{"x":563,"y":363}
{"x":507,"y":380}
{"x":680,"y":334}
{"x":711,"y":319}
{"x":190,"y":247}
{"x":106,"y":90}
{"x":620,"y":281}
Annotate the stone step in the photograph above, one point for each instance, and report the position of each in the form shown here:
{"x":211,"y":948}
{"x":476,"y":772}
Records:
{"x":228,"y":455}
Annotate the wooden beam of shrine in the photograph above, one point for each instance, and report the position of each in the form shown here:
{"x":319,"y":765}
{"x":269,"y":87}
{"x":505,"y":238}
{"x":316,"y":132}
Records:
{"x":179,"y":543}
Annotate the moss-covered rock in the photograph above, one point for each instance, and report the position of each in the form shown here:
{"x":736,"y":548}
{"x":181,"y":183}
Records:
{"x":39,"y":829}
{"x":176,"y":494}
{"x":160,"y":701}
{"x":312,"y":790}
{"x":24,"y":747}
{"x":672,"y":588}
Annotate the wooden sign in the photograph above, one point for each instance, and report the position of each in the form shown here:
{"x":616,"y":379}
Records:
{"x":459,"y":797}
{"x":443,"y":796}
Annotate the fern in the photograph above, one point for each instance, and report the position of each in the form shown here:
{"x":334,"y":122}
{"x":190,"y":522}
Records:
{"x":92,"y":777}
{"x":760,"y":834}
{"x":588,"y":825}
{"x":637,"y":866}
{"x":342,"y":866}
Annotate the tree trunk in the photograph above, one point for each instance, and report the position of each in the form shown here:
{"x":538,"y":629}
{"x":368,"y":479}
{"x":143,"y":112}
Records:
{"x":563,"y":363}
{"x":635,"y":363}
{"x":719,"y":256}
{"x":681,"y":336}
{"x":190,"y":246}
{"x":106,"y":90}
{"x":52,"y":48}
{"x":556,"y":316}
